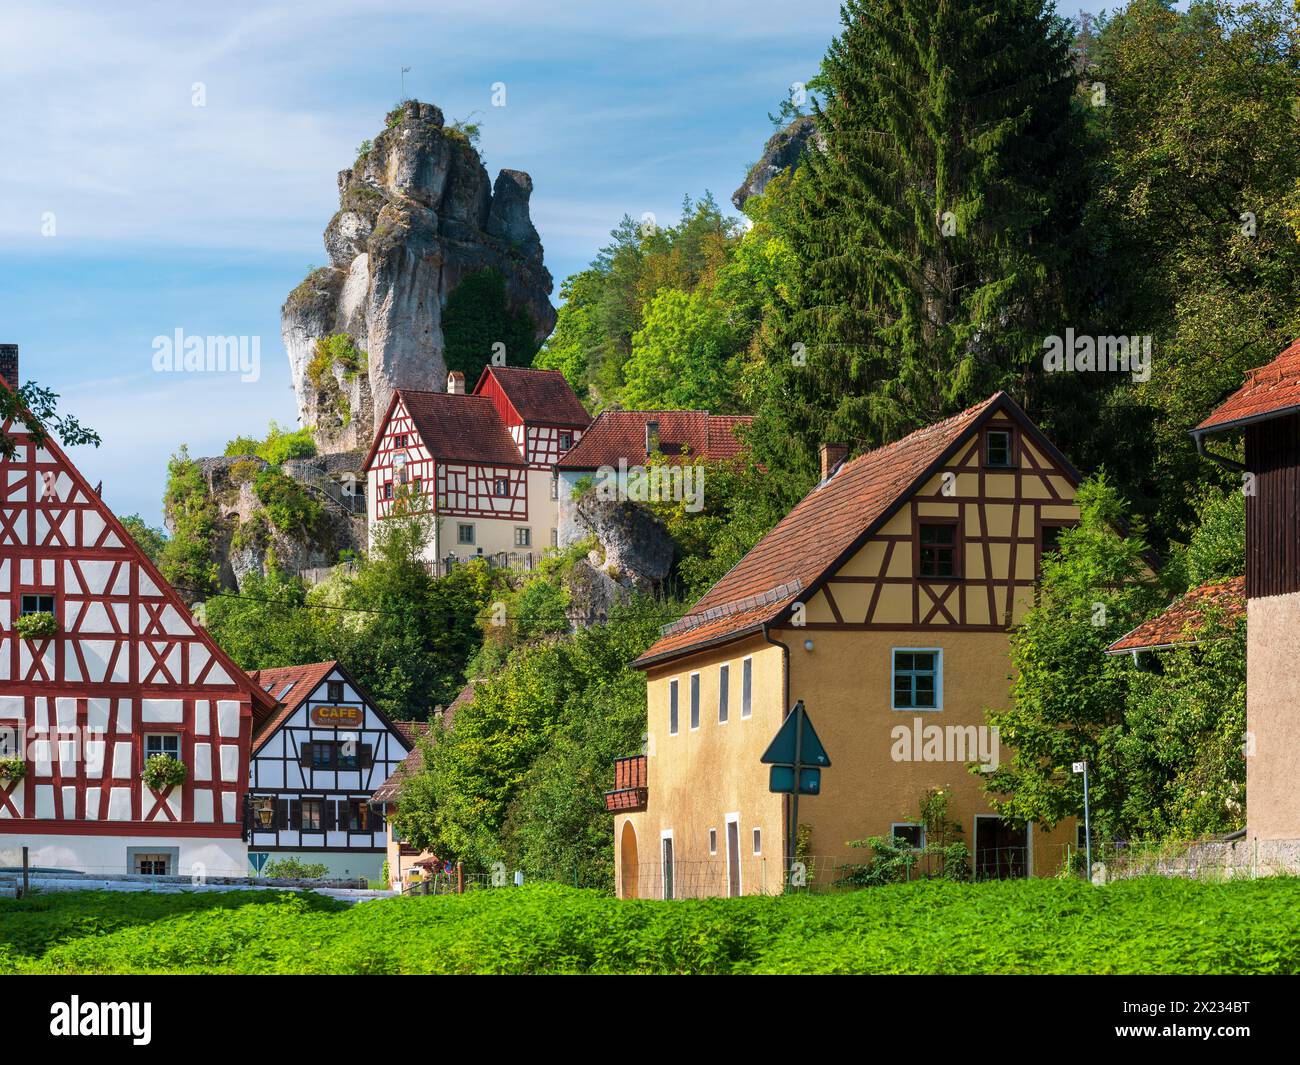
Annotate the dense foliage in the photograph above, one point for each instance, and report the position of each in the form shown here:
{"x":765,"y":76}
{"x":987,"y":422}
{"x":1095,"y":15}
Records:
{"x":478,"y":324}
{"x":279,"y":445}
{"x":1153,"y":925}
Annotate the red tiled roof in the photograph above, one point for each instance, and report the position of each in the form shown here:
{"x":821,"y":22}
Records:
{"x":540,"y":396}
{"x":276,"y":683}
{"x":1180,"y":622}
{"x":1269,"y":390}
{"x":821,"y":531}
{"x":413,"y":763}
{"x":412,"y":730}
{"x":461,"y":428}
{"x":684,"y":435}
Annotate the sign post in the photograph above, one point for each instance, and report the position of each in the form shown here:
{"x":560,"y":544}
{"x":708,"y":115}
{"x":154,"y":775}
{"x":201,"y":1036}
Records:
{"x":797,"y":758}
{"x":1082,"y":767}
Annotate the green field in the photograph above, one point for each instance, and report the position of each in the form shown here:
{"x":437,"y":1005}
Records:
{"x":1041,"y":926}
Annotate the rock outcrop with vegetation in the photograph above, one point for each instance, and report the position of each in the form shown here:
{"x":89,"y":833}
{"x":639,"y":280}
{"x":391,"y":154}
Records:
{"x":417,"y":217}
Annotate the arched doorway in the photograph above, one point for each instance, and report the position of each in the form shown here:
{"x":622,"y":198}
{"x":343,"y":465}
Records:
{"x":629,"y":871}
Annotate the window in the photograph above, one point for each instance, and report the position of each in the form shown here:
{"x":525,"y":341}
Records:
{"x":465,"y":534}
{"x":724,"y":682}
{"x":758,"y":841}
{"x":555,"y":486}
{"x":501,"y":487}
{"x":417,"y":486}
{"x":152,"y":864}
{"x":399,"y":440}
{"x":334,"y":690}
{"x":566,"y":442}
{"x":38,"y":604}
{"x":311,"y":817}
{"x":938,"y":549}
{"x":746,"y":687}
{"x":918,"y":679}
{"x":1049,"y":537}
{"x":555,"y":537}
{"x":285,"y":690}
{"x":162,"y":743}
{"x":358,"y":815}
{"x":667,"y":843}
{"x":347,"y":754}
{"x":695,"y":701}
{"x":713,"y":841}
{"x":523,"y":537}
{"x":321,"y":754}
{"x":999,"y":448}
{"x":388,"y":489}
{"x":401,"y":472}
{"x":672,"y":707}
{"x":907,"y":832}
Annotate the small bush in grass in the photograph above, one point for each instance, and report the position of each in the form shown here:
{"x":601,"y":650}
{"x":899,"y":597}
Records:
{"x":293,"y":869}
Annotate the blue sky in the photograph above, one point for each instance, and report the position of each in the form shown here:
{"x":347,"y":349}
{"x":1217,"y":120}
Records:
{"x":169,"y":216}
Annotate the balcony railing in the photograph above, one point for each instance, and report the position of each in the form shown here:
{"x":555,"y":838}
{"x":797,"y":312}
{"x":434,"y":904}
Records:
{"x":630,"y":792}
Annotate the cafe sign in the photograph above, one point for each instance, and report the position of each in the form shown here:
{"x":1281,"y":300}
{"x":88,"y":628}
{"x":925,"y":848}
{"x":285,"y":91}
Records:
{"x":337,"y":716}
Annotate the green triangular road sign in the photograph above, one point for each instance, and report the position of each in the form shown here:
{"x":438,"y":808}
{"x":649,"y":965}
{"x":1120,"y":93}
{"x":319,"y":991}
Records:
{"x":781,"y":750}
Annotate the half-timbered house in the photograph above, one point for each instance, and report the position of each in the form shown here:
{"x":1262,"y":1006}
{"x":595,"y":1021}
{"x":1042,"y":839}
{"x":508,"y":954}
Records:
{"x":315,"y":764}
{"x":482,"y":464}
{"x":1263,"y":416}
{"x":883,"y":601}
{"x":119,"y":672}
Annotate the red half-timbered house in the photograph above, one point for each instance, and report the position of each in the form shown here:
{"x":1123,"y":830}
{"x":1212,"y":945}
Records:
{"x":127,"y":674}
{"x":482,"y":463}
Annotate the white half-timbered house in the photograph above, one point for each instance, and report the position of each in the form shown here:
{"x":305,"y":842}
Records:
{"x":315,"y":764}
{"x":483,"y":463}
{"x":121,"y":672}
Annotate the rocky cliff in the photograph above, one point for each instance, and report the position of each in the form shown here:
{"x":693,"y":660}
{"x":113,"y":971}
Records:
{"x":781,"y":153}
{"x":417,"y":215}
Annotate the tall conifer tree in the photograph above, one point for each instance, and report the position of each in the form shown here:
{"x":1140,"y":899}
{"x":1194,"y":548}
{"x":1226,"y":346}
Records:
{"x":934,"y":221}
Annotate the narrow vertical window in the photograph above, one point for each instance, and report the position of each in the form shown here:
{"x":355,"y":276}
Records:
{"x":746,"y":687}
{"x":695,"y":701}
{"x":724,"y":683}
{"x":672,"y":707}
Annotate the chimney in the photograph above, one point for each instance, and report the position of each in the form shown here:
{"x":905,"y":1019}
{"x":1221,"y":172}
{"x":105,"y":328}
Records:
{"x":651,"y":437}
{"x":9,"y":365}
{"x":455,"y":383}
{"x":832,"y":455}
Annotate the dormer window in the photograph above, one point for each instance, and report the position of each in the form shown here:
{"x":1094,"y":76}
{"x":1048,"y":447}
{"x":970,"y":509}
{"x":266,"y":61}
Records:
{"x":999,"y":448}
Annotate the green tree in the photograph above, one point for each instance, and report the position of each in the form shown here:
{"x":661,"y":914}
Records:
{"x":935,"y":226}
{"x":149,"y":539}
{"x":681,"y":355}
{"x":1067,"y":694}
{"x":188,"y":558}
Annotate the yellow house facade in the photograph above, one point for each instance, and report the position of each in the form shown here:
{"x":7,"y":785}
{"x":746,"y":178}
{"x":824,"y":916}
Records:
{"x":884,"y":602}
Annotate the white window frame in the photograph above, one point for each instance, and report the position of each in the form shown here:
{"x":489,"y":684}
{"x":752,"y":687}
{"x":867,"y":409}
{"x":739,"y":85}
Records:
{"x":938,"y":679}
{"x":667,"y":834}
{"x":175,"y":737}
{"x":909,"y":824}
{"x":674,"y":707}
{"x":756,"y":836}
{"x":694,"y":690}
{"x":724,"y":693}
{"x":747,"y":686}
{"x":734,"y":819}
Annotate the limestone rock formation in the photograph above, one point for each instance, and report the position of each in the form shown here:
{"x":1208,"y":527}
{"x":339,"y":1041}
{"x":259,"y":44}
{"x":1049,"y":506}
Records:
{"x":636,"y":545}
{"x":416,"y":216}
{"x":780,"y":154}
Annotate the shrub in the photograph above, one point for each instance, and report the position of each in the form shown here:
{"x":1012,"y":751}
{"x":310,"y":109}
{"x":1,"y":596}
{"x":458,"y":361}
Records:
{"x":12,"y":768}
{"x":162,"y":771}
{"x":276,"y":447}
{"x":40,"y":625}
{"x":293,"y":869}
{"x":288,"y":506}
